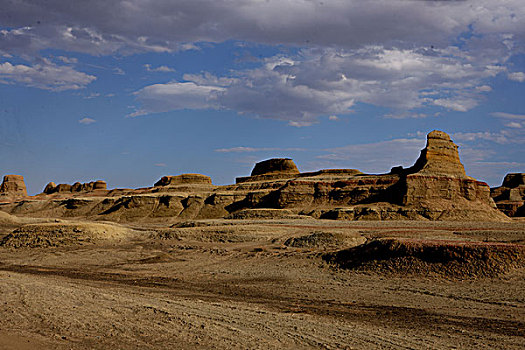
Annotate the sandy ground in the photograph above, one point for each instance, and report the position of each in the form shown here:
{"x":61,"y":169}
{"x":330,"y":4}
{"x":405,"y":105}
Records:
{"x":227,"y":284}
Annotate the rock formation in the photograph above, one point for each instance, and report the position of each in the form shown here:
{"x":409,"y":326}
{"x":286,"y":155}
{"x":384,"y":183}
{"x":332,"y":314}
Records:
{"x":275,"y":166}
{"x":439,"y":157}
{"x":272,"y":169}
{"x":13,"y":186}
{"x":510,"y":196}
{"x":183,"y":179}
{"x":435,"y":188}
{"x":76,"y":187}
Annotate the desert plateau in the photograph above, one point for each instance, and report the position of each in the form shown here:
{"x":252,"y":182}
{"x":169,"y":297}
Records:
{"x":423,"y":257}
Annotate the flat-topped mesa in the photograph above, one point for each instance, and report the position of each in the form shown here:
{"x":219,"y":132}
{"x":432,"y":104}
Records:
{"x":183,"y":179}
{"x":271,"y":169}
{"x":439,"y":157}
{"x":76,"y":187}
{"x":275,"y":166}
{"x":13,"y":185}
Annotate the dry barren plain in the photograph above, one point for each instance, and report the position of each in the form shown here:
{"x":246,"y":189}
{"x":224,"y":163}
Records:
{"x":261,"y":284}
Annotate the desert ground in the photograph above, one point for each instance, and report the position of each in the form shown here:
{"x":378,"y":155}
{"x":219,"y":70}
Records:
{"x":269,"y":283}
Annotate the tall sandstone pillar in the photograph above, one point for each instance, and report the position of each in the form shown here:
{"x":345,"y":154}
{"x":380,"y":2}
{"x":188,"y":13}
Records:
{"x":439,"y":175}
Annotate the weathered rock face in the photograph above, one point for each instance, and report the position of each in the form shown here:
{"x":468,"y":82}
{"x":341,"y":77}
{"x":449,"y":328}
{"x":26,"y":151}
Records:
{"x":13,"y":186}
{"x":435,"y":188}
{"x":76,"y":187}
{"x":271,"y":169}
{"x":510,"y":196}
{"x":183,"y":179}
{"x":514,"y":180}
{"x":275,"y":165}
{"x":439,"y":157}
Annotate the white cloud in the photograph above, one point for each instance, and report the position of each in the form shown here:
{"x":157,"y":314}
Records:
{"x":87,"y":121}
{"x":500,"y":137}
{"x":104,"y":27}
{"x":333,"y":118}
{"x":508,"y":115}
{"x":160,"y":164}
{"x":517,"y":76}
{"x":173,"y":96}
{"x":484,"y":88}
{"x":515,"y":125}
{"x":119,"y":71}
{"x":163,"y":69}
{"x":45,"y":75}
{"x":405,"y":115}
{"x":456,"y":104}
{"x":92,"y":95}
{"x":322,"y":82}
{"x":243,"y":149}
{"x":70,"y":60}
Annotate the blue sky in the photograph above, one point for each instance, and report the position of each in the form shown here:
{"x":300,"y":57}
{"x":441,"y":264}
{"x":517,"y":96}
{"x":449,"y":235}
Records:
{"x":129,"y":91}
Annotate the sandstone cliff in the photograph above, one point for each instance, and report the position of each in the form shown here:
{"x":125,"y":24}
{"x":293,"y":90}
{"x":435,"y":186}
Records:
{"x":510,"y":196}
{"x":13,"y":186}
{"x":76,"y":187}
{"x":435,"y":188}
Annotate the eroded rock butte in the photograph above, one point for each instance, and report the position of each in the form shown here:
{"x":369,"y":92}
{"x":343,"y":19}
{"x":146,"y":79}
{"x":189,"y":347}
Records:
{"x":434,"y":188}
{"x":13,"y":186}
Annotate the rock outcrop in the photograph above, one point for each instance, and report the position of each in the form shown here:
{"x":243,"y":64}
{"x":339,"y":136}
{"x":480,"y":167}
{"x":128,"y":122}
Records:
{"x":275,"y":166}
{"x":13,"y":186}
{"x":271,"y":169}
{"x":76,"y":187}
{"x":183,"y":179}
{"x":435,"y":188}
{"x":510,"y":196}
{"x":439,"y":157}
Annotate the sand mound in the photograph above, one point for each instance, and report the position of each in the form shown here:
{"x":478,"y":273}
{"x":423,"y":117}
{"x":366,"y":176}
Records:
{"x":61,"y":234}
{"x":316,"y":239}
{"x":8,"y":219}
{"x":454,"y":259}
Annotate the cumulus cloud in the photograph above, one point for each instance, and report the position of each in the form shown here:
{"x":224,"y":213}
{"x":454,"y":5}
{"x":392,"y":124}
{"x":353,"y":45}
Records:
{"x":403,"y":55}
{"x":87,"y":121}
{"x":322,"y":82}
{"x":173,"y":96}
{"x":45,"y":75}
{"x":103,"y":27}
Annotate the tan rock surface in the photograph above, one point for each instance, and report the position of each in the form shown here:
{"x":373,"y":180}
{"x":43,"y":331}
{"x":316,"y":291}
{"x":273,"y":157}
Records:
{"x":13,"y":185}
{"x":435,"y":188}
{"x":510,"y":196}
{"x":439,"y":157}
{"x":183,"y":179}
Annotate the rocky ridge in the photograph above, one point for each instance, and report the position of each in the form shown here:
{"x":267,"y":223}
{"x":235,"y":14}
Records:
{"x":76,"y":187}
{"x":435,"y":188}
